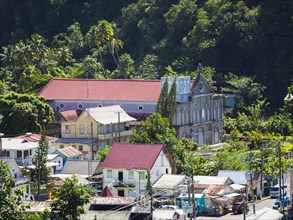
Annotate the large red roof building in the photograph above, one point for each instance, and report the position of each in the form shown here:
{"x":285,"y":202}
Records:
{"x":198,"y":113}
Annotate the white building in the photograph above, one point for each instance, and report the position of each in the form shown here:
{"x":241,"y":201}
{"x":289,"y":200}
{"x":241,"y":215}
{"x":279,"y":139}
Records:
{"x":19,"y":149}
{"x":126,"y":167}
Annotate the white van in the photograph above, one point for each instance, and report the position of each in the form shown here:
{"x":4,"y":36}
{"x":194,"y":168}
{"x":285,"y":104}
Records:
{"x":275,"y":191}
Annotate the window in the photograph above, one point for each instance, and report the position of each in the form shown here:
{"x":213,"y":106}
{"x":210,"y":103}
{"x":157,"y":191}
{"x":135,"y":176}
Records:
{"x":19,"y":154}
{"x":130,"y":174}
{"x":167,"y":171}
{"x":89,"y":129}
{"x":157,"y":173}
{"x":140,"y":107}
{"x":80,"y":148}
{"x":61,"y":106}
{"x":61,"y":146}
{"x":80,"y":106}
{"x":74,"y":146}
{"x":141,"y":175}
{"x":67,"y":129}
{"x":162,"y":160}
{"x":203,"y":114}
{"x":109,"y":173}
{"x":81,"y":129}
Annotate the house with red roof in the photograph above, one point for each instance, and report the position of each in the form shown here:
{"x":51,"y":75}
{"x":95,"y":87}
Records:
{"x":126,"y":166}
{"x":35,"y":138}
{"x":198,"y":113}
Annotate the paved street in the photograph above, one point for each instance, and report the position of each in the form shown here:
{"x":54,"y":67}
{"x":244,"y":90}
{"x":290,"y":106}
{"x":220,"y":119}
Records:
{"x":266,"y":203}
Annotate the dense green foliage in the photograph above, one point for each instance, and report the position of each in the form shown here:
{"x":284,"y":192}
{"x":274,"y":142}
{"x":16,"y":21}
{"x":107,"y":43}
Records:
{"x":72,"y":196}
{"x":12,"y":206}
{"x":60,"y":38}
{"x":156,"y":130}
{"x":22,"y":113}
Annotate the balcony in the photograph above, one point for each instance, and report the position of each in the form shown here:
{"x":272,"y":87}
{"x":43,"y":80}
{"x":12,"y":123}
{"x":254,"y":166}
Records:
{"x":123,"y":184}
{"x":115,"y":134}
{"x":24,"y":162}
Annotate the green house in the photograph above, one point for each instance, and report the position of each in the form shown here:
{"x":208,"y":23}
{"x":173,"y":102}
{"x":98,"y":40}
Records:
{"x":183,"y":200}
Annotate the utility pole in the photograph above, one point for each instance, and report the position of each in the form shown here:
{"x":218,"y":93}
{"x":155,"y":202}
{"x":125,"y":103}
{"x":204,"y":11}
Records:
{"x":118,"y":125}
{"x":193,"y":202}
{"x":261,"y":171}
{"x":280,"y":175}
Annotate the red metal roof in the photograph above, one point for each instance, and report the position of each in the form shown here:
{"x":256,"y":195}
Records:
{"x":107,"y":192}
{"x":99,"y":89}
{"x":34,"y":137}
{"x":132,"y":156}
{"x":71,"y":115}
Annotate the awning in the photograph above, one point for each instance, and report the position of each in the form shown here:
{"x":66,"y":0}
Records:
{"x":232,"y":195}
{"x":237,"y":186}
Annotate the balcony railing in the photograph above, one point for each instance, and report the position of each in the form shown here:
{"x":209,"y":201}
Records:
{"x":24,"y":162}
{"x":114,"y":134}
{"x":122,"y":183}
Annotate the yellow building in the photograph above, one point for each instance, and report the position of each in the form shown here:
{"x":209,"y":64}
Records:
{"x":98,"y":126}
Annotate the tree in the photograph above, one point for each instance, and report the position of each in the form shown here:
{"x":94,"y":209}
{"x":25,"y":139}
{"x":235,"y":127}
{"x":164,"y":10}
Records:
{"x":244,"y":86}
{"x":41,"y":171}
{"x":166,"y":105}
{"x":126,"y":69}
{"x":103,"y":153}
{"x":148,"y":69}
{"x":23,"y":112}
{"x":156,"y":130}
{"x":11,"y":203}
{"x":71,"y":198}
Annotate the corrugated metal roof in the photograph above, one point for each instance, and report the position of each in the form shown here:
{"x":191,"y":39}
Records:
{"x":132,"y":156}
{"x":215,"y":189}
{"x":76,"y":140}
{"x":70,"y":152}
{"x":17,"y":144}
{"x":98,"y":89}
{"x":106,"y":192}
{"x":106,"y":215}
{"x":34,"y":137}
{"x":112,"y":200}
{"x":109,"y":114}
{"x":238,"y":176}
{"x":210,"y":180}
{"x":70,"y":115}
{"x":80,"y":167}
{"x":168,"y":181}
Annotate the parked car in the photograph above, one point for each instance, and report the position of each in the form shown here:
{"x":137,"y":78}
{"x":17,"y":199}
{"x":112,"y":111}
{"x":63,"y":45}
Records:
{"x":172,"y":207}
{"x":285,"y":199}
{"x":238,"y":208}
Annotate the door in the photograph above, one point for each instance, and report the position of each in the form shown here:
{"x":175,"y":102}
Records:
{"x":120,"y":176}
{"x":121,"y":193}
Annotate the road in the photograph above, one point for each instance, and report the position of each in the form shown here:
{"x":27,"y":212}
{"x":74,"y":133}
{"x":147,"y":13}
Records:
{"x":265,"y":203}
